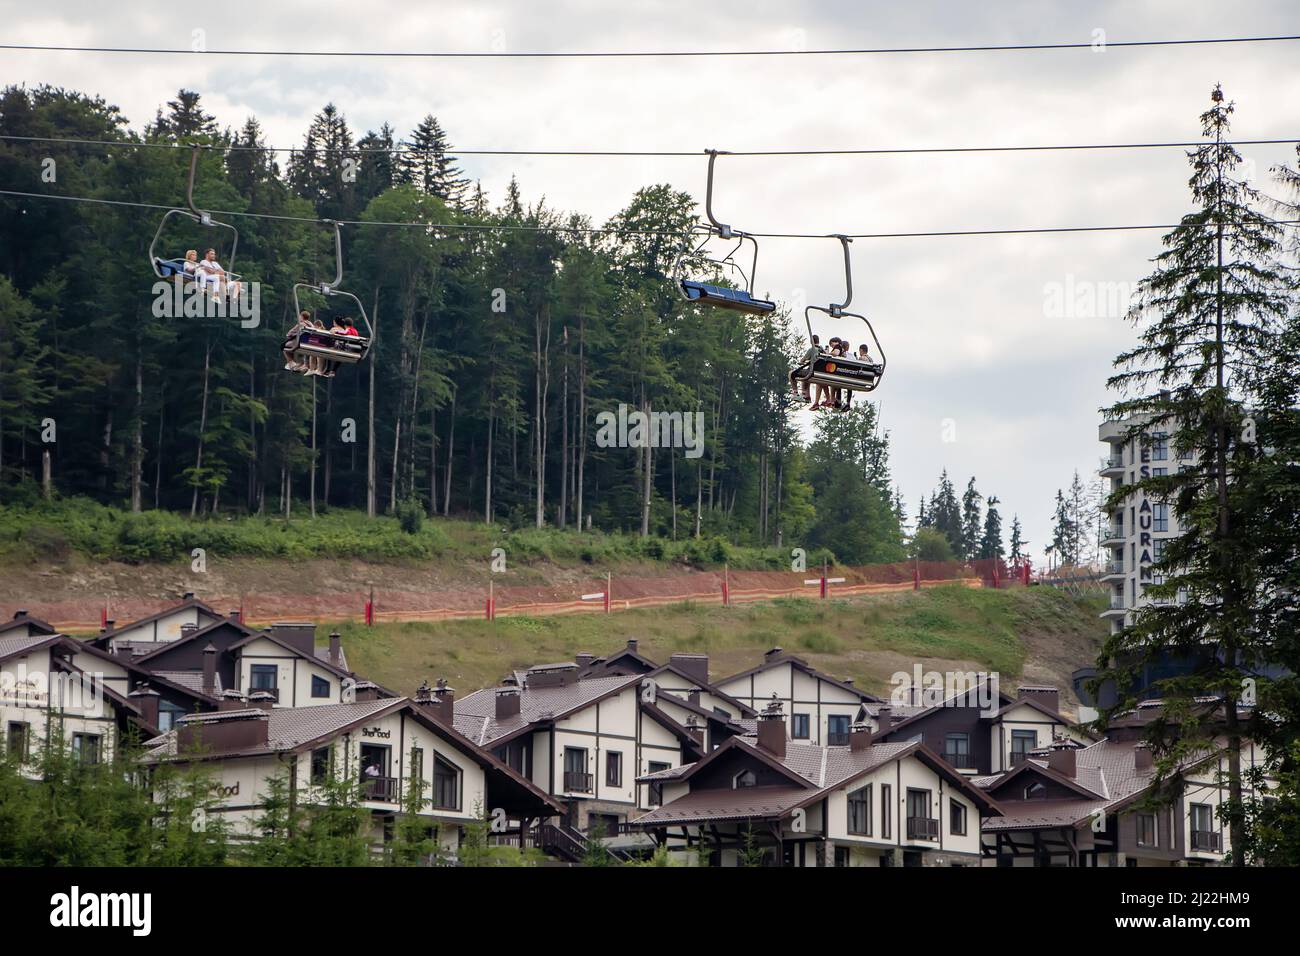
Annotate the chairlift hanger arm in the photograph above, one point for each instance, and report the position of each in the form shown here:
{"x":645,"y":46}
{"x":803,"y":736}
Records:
{"x":838,"y":309}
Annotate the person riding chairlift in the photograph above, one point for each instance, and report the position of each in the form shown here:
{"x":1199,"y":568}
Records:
{"x":291,"y":361}
{"x":829,"y":397}
{"x":800,"y":386}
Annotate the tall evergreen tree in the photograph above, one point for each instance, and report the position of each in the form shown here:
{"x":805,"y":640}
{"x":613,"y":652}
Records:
{"x":971,"y":524}
{"x":991,"y":539}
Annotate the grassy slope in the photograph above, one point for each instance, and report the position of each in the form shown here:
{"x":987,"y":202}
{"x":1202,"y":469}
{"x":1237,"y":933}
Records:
{"x":1037,"y":632}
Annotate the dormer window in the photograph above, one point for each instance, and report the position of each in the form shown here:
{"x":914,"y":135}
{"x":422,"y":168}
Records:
{"x":1035,"y":791}
{"x":744,"y":780}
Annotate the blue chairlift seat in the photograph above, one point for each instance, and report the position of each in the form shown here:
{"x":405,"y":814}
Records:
{"x":725,"y":298}
{"x":170,"y":267}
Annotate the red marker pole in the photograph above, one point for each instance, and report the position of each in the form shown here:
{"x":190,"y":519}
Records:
{"x":608,"y":584}
{"x":726,"y":585}
{"x":103,"y":617}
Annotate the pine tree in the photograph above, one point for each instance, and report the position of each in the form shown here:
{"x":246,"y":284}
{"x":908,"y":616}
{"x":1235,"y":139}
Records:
{"x":1064,"y":532}
{"x":991,"y":540}
{"x":970,"y":521}
{"x":1209,"y":318}
{"x":428,"y":165}
{"x":1018,"y":553}
{"x":185,"y":119}
{"x":945,"y":513}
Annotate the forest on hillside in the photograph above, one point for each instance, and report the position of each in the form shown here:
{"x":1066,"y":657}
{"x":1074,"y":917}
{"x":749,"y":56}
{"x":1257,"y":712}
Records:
{"x":501,"y":332}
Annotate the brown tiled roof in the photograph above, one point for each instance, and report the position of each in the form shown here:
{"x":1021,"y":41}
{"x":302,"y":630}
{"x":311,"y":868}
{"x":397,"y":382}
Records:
{"x":190,"y":680}
{"x":1036,"y":814}
{"x":800,"y":664}
{"x":21,"y":643}
{"x":24,"y":620}
{"x":706,"y":805}
{"x":475,"y":714}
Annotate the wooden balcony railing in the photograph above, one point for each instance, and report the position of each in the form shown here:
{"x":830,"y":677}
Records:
{"x":922,"y":828}
{"x":960,"y":761}
{"x":381,"y":789}
{"x":575,"y":782}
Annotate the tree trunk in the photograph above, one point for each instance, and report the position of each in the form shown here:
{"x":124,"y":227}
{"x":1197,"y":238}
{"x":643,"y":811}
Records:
{"x":487,"y":498}
{"x":451,"y":448}
{"x":561,"y":519}
{"x":137,"y":451}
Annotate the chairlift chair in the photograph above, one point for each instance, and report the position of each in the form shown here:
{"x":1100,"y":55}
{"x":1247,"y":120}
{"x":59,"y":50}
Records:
{"x":167,"y":268}
{"x":739,"y":299}
{"x":331,"y":346}
{"x":846,"y":372}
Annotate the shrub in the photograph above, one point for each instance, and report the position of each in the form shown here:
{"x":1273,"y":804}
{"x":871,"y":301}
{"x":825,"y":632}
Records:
{"x":46,"y":542}
{"x":410,"y":515}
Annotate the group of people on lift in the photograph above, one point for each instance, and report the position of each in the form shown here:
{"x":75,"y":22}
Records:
{"x":208,"y":274}
{"x":314,"y":364}
{"x":838,"y":399}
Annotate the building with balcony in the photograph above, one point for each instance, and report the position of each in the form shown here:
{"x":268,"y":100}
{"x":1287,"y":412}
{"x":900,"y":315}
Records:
{"x":787,"y":802}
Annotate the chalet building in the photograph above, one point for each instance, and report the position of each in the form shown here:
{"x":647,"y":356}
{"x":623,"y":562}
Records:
{"x":163,"y":627}
{"x":684,"y":676}
{"x":45,"y":693}
{"x":979,"y":739}
{"x":193,"y":646}
{"x":381,"y":743}
{"x":584,"y":738}
{"x":1071,"y":804}
{"x":796,"y":803}
{"x":24,"y":625}
{"x":821,"y":708}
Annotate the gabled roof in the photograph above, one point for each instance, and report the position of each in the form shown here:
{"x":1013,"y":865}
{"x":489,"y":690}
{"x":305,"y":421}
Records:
{"x":26,"y":620}
{"x":707,"y":686}
{"x":16,"y":644}
{"x":103,"y":639}
{"x":800,"y":664}
{"x":164,"y":646}
{"x":315,"y":656}
{"x":475,"y":714}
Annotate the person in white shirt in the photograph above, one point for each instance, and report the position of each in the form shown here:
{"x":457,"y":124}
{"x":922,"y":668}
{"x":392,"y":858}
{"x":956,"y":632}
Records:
{"x":209,"y":272}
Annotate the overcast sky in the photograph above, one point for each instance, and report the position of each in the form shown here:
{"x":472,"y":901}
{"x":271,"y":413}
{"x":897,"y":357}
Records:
{"x":977,"y":351}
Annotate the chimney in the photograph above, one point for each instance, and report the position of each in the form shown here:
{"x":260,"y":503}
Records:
{"x":366,"y":690}
{"x":1060,"y":757}
{"x":236,"y":616}
{"x":146,"y":698}
{"x":695,"y":729}
{"x":187,"y":596}
{"x":261,"y":699}
{"x":884,"y":721}
{"x":693,"y":696}
{"x":1142,"y":759}
{"x":232,"y":700}
{"x":109,"y":624}
{"x":860,"y":737}
{"x":188,"y":629}
{"x":552,"y":675}
{"x":336,"y":649}
{"x":771,"y":729}
{"x":584,"y":660}
{"x":772,"y":654}
{"x":631,"y":644}
{"x":1048,"y":697}
{"x":441,"y":700}
{"x":210,"y":670}
{"x":847,"y":680}
{"x":223,"y":731}
{"x":20,"y":613}
{"x":695,"y":665}
{"x":507,"y":701}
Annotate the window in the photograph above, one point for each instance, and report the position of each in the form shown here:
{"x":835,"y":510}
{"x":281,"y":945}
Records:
{"x":837,"y":730}
{"x":1022,"y":742}
{"x":744,"y":780}
{"x":860,"y":811}
{"x":1159,"y":472}
{"x":1035,"y":791}
{"x":956,"y":749}
{"x":263,"y":677}
{"x":1202,"y":817}
{"x":576,"y":777}
{"x":320,"y":687}
{"x":841,"y":856}
{"x":799,"y":726}
{"x":656,"y":789}
{"x":886,"y":809}
{"x":168,"y":714}
{"x":1159,"y":447}
{"x":614,"y":768}
{"x":16,"y":741}
{"x":446,"y":785}
{"x":1146,"y":829}
{"x":320,"y":766}
{"x":86,"y":748}
{"x":1160,"y":517}
{"x":956,"y":817}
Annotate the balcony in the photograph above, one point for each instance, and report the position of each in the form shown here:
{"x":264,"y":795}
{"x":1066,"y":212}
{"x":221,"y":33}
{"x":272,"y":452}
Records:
{"x":1111,"y":465}
{"x":1206,"y":841}
{"x":1113,"y":536}
{"x":1018,"y":757}
{"x":575,"y":782}
{"x":960,"y":761}
{"x":1117,"y":608}
{"x":1113,"y":568}
{"x":837,"y":740}
{"x":922,"y":828}
{"x":381,"y":789}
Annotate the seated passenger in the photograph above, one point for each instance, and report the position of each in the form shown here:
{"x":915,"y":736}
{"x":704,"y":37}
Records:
{"x":209,"y":273}
{"x":864,"y":355}
{"x":291,"y":361}
{"x":349,"y":328}
{"x":798,"y":384}
{"x":191,"y":263}
{"x":315,"y":364}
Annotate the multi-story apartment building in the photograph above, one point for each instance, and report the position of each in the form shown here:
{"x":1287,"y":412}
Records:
{"x":1140,"y":525}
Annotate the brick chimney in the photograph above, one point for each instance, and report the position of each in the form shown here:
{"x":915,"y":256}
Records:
{"x":860,"y":737}
{"x":439,"y":701}
{"x":507,"y":702}
{"x":146,"y":698}
{"x":694,"y":665}
{"x":188,"y":629}
{"x":336,"y":649}
{"x":1048,"y":697}
{"x":584,"y":660}
{"x":1142,"y":758}
{"x":187,"y":596}
{"x":695,"y":729}
{"x":884,"y":720}
{"x":210,"y":670}
{"x":261,"y":699}
{"x":631,"y":644}
{"x":236,"y":616}
{"x":693,"y":696}
{"x":1060,"y":757}
{"x":232,"y":700}
{"x":771,"y":729}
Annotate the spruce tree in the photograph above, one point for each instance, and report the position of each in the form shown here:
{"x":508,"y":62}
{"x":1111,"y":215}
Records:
{"x":991,"y":539}
{"x":1208,"y":318}
{"x":970,"y":521}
